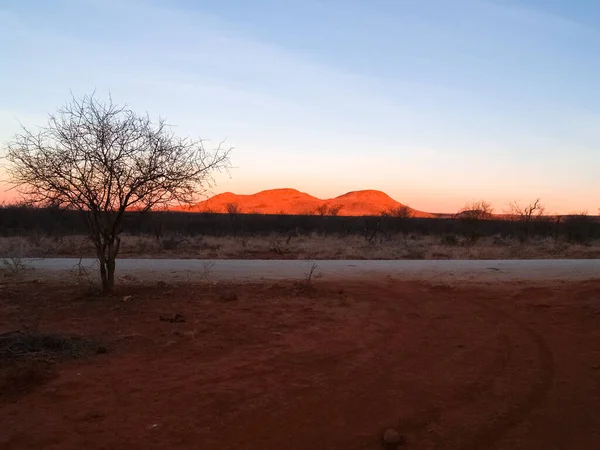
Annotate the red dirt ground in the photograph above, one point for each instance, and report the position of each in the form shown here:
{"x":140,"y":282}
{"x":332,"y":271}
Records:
{"x":282,"y":367}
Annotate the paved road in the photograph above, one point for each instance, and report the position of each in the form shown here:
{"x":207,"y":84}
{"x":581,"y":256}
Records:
{"x":173,"y":270}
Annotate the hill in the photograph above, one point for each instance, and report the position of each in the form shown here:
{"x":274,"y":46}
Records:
{"x":292,"y":201}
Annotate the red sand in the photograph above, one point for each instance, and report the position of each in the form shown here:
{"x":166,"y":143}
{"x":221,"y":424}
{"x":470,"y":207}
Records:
{"x":497,"y":367}
{"x":291,"y":201}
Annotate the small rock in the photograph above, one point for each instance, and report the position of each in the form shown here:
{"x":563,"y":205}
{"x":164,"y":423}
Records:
{"x":391,"y":437}
{"x":127,"y":298}
{"x":161,"y":285}
{"x":229,"y":296}
{"x":101,"y":350}
{"x":177,"y":318}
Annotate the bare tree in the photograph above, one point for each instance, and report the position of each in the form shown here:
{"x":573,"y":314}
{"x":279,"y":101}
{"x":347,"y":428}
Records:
{"x":471,"y":216}
{"x":232,"y":208}
{"x":334,"y":210}
{"x":525,"y":213}
{"x":322,"y":210}
{"x":104,"y":159}
{"x":401,"y":212}
{"x":476,"y":210}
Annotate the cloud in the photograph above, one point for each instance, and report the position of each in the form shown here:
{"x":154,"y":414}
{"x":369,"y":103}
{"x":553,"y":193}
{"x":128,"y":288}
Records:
{"x":400,"y":90}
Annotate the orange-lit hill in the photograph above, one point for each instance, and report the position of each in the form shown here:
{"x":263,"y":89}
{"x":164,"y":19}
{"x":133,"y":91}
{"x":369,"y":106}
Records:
{"x":292,"y":201}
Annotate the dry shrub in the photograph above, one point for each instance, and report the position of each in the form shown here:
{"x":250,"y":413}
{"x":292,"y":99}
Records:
{"x":415,"y":252}
{"x":43,"y":346}
{"x":27,"y":358}
{"x":36,"y":239}
{"x":315,"y":246}
{"x":170,"y":243}
{"x":500,"y":241}
{"x":450,"y":239}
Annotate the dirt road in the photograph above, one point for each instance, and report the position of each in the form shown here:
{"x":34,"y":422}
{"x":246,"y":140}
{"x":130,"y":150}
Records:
{"x":191,"y":270}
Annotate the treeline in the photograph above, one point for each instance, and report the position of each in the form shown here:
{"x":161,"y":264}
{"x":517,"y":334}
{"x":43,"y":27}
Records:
{"x":24,"y":220}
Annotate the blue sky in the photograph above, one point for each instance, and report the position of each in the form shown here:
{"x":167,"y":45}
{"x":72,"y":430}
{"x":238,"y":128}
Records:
{"x":436,"y":102}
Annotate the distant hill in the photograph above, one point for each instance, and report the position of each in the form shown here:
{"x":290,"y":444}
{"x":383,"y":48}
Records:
{"x":292,"y":201}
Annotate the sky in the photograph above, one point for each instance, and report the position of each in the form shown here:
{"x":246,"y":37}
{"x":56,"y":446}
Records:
{"x":435,"y":102}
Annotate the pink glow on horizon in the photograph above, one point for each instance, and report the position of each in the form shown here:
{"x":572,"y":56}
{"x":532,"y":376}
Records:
{"x":426,"y":202}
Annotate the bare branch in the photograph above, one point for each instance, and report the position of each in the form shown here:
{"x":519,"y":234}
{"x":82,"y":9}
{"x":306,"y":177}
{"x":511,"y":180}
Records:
{"x":334,"y":210}
{"x":525,"y":213}
{"x":322,"y":209}
{"x":401,"y":212}
{"x":233,"y":208}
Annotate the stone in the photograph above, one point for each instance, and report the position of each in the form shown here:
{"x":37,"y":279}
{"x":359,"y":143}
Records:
{"x":391,"y":437}
{"x":229,"y":296}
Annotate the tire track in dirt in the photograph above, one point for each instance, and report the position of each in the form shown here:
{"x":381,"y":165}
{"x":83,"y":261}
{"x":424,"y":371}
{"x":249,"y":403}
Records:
{"x":495,"y":428}
{"x":429,"y":414}
{"x":468,"y":393}
{"x":490,"y":434}
{"x":268,"y":366}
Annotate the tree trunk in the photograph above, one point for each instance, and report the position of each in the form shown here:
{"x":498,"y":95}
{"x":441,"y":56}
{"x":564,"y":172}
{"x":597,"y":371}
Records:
{"x":101,"y":254}
{"x":112,"y":252}
{"x":110,"y":266}
{"x":103,"y":273}
{"x":107,"y":256}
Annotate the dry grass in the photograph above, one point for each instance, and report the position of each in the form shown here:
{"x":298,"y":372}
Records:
{"x":305,"y":247}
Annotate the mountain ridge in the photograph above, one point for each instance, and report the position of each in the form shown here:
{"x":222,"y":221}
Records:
{"x":367,"y":202}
